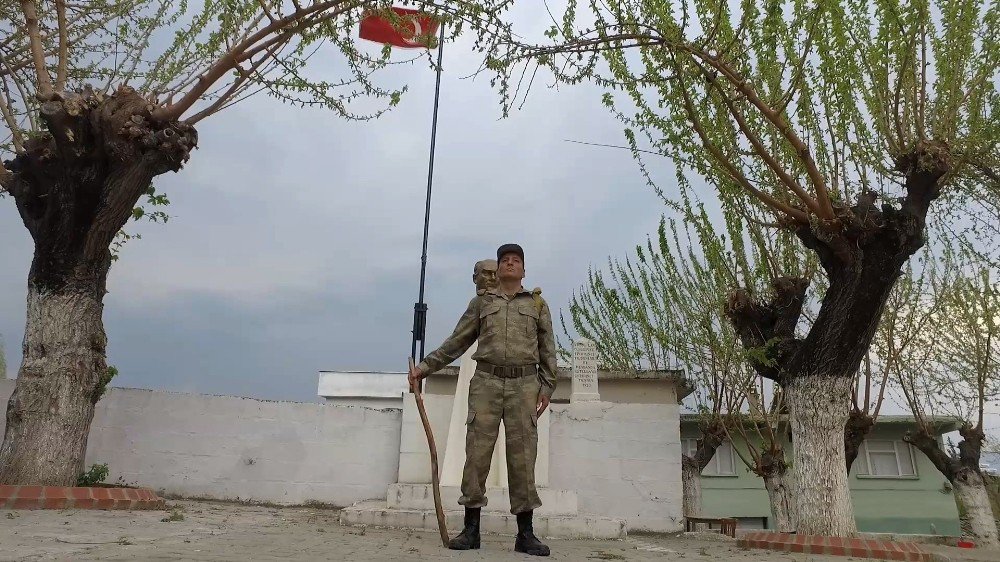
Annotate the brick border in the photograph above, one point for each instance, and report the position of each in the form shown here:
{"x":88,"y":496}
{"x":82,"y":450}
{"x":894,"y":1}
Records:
{"x":66,"y":497}
{"x":836,"y":546}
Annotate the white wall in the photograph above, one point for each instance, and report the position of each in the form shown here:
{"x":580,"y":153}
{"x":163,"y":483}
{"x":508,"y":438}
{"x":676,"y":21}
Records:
{"x":623,"y":460}
{"x":229,"y":447}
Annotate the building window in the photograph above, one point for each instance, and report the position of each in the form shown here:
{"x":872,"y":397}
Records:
{"x":885,"y":459}
{"x":722,"y":464}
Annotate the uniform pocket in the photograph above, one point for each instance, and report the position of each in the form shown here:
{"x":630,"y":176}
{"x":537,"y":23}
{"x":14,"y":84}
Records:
{"x":488,"y":317}
{"x":470,"y":418}
{"x":528,"y":316}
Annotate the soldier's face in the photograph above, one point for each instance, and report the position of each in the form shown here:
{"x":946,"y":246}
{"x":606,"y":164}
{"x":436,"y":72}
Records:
{"x":511,"y":268}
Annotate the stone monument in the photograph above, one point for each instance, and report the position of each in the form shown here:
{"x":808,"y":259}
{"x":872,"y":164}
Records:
{"x":584,"y":372}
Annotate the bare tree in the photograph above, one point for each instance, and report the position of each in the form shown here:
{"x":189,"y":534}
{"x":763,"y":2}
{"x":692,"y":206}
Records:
{"x":100,"y":98}
{"x":813,"y":112}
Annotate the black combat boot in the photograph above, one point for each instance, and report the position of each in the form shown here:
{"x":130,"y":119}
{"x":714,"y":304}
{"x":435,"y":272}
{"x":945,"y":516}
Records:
{"x":469,"y":537}
{"x":526,"y":540}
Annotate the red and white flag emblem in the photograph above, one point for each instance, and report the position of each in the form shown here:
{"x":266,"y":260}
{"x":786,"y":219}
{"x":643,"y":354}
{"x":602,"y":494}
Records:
{"x":416,"y":30}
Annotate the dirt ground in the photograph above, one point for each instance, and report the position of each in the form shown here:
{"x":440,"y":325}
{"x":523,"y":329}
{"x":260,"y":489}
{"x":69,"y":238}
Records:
{"x":194,"y":530}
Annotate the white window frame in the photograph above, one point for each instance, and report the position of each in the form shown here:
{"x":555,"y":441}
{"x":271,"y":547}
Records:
{"x":714,"y":466}
{"x":864,"y":462}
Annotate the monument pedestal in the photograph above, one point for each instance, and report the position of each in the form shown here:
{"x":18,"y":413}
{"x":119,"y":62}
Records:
{"x":410,"y":502}
{"x":412,"y":506}
{"x":568,"y":526}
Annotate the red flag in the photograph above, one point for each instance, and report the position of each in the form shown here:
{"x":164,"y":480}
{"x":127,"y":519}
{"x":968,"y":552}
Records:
{"x":417,"y":29}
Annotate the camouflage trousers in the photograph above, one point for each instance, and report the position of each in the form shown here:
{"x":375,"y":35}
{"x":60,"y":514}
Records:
{"x":512,"y":400}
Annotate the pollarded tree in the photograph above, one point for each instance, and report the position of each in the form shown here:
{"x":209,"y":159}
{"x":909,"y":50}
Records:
{"x":102,"y":97}
{"x":955,"y":371}
{"x":759,"y":417}
{"x":664,"y":308}
{"x":844,"y":119}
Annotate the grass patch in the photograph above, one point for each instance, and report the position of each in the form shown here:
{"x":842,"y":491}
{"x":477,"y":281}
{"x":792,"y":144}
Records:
{"x":175,"y":515}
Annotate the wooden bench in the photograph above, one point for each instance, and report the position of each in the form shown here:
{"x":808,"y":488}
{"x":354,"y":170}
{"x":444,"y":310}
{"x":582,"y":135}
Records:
{"x":727,"y":525}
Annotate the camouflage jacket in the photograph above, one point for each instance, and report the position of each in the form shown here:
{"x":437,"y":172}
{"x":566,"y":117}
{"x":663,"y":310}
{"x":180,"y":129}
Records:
{"x":512,"y":331}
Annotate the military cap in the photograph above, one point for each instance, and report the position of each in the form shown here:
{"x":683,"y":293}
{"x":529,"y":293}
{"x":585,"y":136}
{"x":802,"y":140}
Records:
{"x":508,"y":249}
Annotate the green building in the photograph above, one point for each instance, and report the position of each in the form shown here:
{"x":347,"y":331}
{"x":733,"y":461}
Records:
{"x":894,"y":487}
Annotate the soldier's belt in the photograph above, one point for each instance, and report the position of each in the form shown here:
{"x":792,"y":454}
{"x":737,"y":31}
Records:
{"x":507,"y":372}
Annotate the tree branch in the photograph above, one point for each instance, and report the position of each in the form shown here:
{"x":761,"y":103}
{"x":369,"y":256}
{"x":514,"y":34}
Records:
{"x":925,"y":441}
{"x":8,"y":116}
{"x":267,"y":11}
{"x":796,"y":214}
{"x":243,"y":77}
{"x":63,"y":64}
{"x":246,"y":49}
{"x":759,"y":147}
{"x":769,"y":113}
{"x":713,"y":433}
{"x":768,"y":329}
{"x":37,"y":52}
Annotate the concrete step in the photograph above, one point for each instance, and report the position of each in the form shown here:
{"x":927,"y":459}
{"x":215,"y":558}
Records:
{"x":421,"y":497}
{"x":378,"y":514}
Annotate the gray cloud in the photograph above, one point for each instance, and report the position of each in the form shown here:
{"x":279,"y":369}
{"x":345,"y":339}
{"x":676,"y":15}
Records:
{"x":294,"y":243}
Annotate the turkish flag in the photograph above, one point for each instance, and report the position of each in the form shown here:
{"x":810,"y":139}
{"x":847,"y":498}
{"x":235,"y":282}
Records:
{"x":417,"y":29}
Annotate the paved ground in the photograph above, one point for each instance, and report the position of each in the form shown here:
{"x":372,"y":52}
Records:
{"x":220,"y":531}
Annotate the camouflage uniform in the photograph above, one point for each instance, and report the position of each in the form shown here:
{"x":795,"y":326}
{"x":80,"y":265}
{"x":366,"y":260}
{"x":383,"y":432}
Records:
{"x":516,"y":362}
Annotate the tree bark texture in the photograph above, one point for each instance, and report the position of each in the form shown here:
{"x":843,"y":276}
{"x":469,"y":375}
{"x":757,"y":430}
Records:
{"x":862,"y":253}
{"x":691,"y":484}
{"x":713,"y":433}
{"x":970,"y":490}
{"x":859,"y":425}
{"x":75,"y":187}
{"x":966,"y":478}
{"x":773,"y":469}
{"x":818,"y":413}
{"x":779,"y":492}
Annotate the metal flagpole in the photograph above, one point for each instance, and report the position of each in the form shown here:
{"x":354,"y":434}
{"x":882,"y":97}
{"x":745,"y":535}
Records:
{"x":420,"y":308}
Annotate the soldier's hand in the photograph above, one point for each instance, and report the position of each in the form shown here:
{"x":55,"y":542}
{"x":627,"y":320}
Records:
{"x":415,"y":376}
{"x":543,"y":403}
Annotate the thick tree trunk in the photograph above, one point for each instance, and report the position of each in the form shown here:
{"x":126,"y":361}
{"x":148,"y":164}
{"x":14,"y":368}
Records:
{"x":965,"y":476}
{"x":970,"y":490}
{"x":779,"y":492}
{"x":859,"y":424}
{"x":691,"y":484}
{"x":50,"y":411}
{"x":75,"y":187}
{"x":713,"y":433}
{"x":818,"y":407}
{"x":773,"y":469}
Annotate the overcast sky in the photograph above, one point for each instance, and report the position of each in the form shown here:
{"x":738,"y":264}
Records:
{"x":295,"y":237}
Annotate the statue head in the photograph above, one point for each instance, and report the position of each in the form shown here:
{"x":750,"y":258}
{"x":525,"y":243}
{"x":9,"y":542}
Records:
{"x":484,"y":275}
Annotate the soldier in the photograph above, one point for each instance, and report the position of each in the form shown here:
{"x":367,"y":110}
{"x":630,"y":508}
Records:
{"x":514,"y":379}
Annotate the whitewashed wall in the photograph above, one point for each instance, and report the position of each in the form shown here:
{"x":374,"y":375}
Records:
{"x":623,"y":460}
{"x":228,"y":447}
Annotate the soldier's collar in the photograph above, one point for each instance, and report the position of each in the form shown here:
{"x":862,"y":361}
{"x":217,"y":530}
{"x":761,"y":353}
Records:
{"x":498,"y":293}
